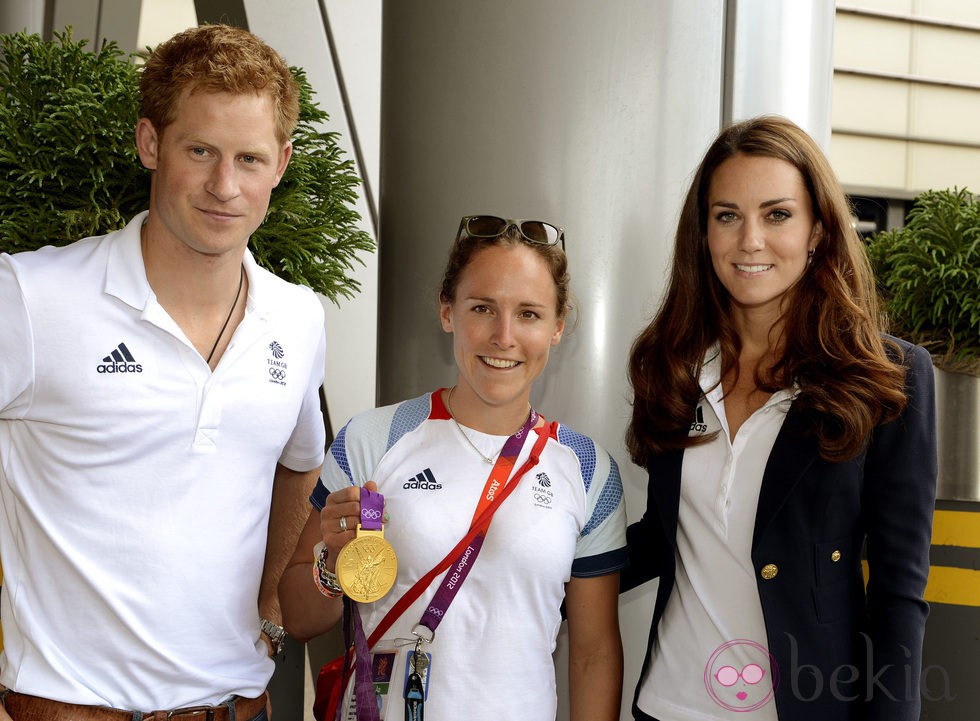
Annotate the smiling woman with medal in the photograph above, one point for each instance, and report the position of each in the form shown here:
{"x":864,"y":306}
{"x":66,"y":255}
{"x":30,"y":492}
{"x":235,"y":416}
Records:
{"x":497,"y":516}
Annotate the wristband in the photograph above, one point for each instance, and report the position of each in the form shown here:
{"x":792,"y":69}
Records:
{"x":325,"y":581}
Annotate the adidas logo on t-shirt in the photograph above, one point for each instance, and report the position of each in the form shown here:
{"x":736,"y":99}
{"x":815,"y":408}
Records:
{"x":425,"y":481}
{"x":119,"y":360}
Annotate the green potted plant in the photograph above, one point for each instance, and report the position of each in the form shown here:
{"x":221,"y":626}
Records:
{"x":69,"y":168}
{"x":929,"y":275}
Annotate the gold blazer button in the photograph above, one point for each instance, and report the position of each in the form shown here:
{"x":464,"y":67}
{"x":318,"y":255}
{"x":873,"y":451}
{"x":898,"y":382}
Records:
{"x":835,"y":556}
{"x":769,"y":571}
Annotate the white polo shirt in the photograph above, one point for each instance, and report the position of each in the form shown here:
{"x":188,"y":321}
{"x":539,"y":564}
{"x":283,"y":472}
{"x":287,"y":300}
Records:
{"x":135,"y":484}
{"x":714,"y":611}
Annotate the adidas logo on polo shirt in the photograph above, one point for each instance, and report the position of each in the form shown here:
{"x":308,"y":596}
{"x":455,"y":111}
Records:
{"x":699,"y":426}
{"x":119,"y":360}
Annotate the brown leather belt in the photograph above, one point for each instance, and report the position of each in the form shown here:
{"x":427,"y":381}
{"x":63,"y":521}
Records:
{"x":22,"y":707}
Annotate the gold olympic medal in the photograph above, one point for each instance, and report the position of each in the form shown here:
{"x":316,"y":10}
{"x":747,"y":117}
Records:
{"x":367,"y":566}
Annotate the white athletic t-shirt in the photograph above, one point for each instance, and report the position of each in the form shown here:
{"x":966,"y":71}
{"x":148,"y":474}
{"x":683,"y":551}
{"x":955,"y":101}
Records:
{"x":492,"y":653}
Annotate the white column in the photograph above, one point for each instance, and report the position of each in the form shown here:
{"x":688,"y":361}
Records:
{"x":298,"y":29}
{"x":21,"y":15}
{"x":591,"y":115}
{"x":780,"y":60}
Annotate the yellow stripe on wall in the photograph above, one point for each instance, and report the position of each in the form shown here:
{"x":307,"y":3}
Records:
{"x":956,"y":528}
{"x":957,"y":586}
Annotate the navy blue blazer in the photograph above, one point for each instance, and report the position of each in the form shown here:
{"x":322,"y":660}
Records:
{"x":843,"y":651}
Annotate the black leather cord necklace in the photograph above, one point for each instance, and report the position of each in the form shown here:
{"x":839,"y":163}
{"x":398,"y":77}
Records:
{"x":241,"y":281}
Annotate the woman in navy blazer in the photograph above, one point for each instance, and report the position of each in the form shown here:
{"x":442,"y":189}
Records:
{"x":785,"y":436}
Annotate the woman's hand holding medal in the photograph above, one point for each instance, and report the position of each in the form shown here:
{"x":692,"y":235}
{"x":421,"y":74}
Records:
{"x":339,"y":518}
{"x":364,"y":562}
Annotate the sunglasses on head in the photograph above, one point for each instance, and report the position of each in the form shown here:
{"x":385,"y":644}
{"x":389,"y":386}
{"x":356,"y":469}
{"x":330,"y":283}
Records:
{"x":492,"y":226}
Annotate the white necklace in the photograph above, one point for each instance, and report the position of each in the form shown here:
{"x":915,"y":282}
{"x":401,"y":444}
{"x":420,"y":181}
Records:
{"x":486,"y":459}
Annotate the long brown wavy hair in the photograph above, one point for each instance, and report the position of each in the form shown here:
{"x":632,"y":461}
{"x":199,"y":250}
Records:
{"x":830,"y":329}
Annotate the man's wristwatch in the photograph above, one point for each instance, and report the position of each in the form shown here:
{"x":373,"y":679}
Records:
{"x":276,"y":634}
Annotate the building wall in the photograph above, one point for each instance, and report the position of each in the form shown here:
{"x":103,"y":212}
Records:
{"x":906,"y":100}
{"x":906,"y":96}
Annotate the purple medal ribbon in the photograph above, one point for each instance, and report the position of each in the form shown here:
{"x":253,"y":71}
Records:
{"x":372,"y":509}
{"x":366,"y":699}
{"x":372,"y":512}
